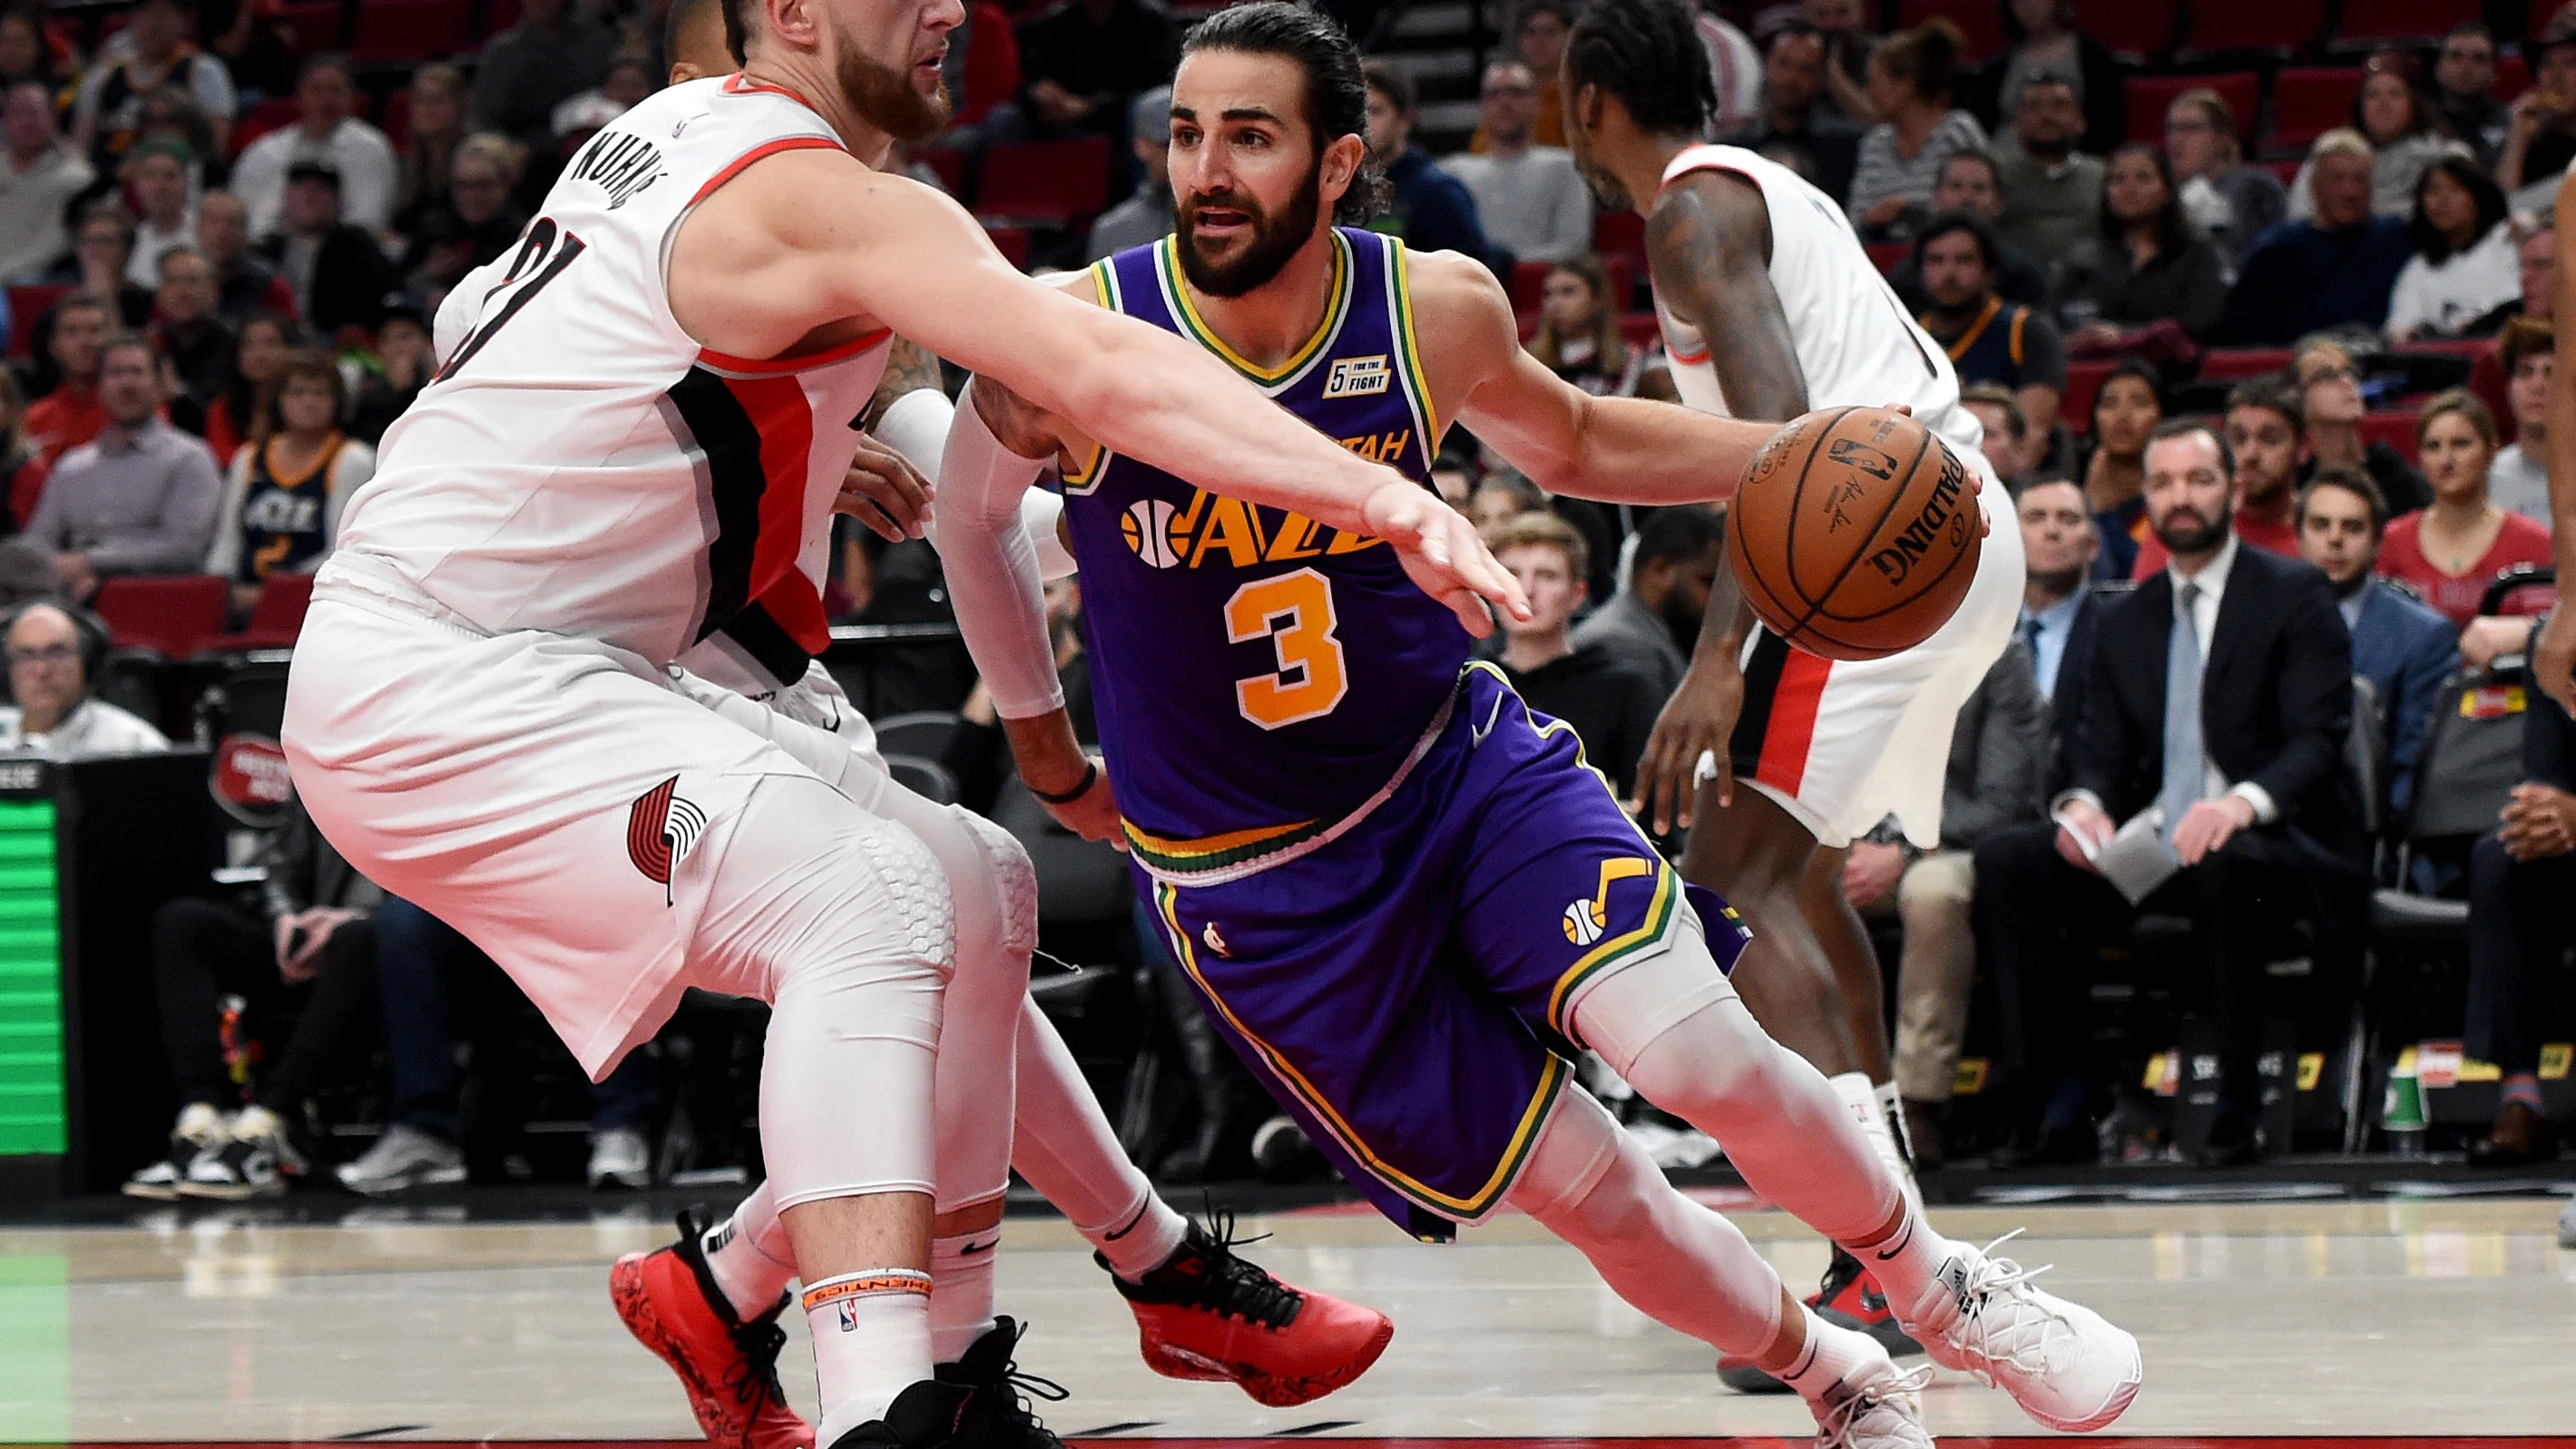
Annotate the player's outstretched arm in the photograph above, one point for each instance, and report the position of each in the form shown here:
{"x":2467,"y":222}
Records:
{"x":2553,"y":659}
{"x":812,"y":233}
{"x":1619,"y":450}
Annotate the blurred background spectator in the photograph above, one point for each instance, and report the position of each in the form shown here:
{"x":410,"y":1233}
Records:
{"x":2403,"y":131}
{"x":56,"y":658}
{"x":2331,"y":407}
{"x":2541,"y":140}
{"x":2143,"y":263}
{"x":1799,"y":126}
{"x":282,"y":498}
{"x":259,"y":361}
{"x":1912,"y":75}
{"x":2044,"y":39}
{"x":152,"y":51}
{"x":2405,"y":650}
{"x":395,"y":373}
{"x":553,"y":53}
{"x":2007,"y":432}
{"x":1530,"y":201}
{"x":1146,"y":215}
{"x":2052,"y":193}
{"x":328,"y":133}
{"x":437,"y":128}
{"x":2324,"y":269}
{"x":156,"y":181}
{"x":40,"y":176}
{"x":195,"y":345}
{"x":2536,"y":270}
{"x":335,"y":269}
{"x":66,"y":412}
{"x":1538,"y":29}
{"x":1084,"y":62}
{"x":2261,"y":426}
{"x":2451,"y":550}
{"x":2519,"y":880}
{"x":2011,"y":345}
{"x":2465,"y":263}
{"x":1579,"y":339}
{"x":1652,"y":623}
{"x":1426,"y":205}
{"x":1603,"y":692}
{"x":2232,"y":203}
{"x":2059,"y":607}
{"x":474,"y":223}
{"x":2464,"y":90}
{"x":137,"y":499}
{"x":2519,"y":477}
{"x":1970,"y":185}
{"x":245,"y":284}
{"x":2127,"y":409}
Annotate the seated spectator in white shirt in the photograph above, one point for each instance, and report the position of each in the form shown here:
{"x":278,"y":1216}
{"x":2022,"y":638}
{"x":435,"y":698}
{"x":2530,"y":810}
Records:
{"x":156,"y":176}
{"x":51,"y":659}
{"x":1530,"y":198}
{"x":2518,"y":479}
{"x":326,"y":132}
{"x":40,"y":174}
{"x":2466,"y":263}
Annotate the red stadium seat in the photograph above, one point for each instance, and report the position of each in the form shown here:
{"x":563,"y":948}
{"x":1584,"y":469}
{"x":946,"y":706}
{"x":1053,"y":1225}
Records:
{"x":274,"y":624}
{"x":2083,"y":380}
{"x":2273,"y":26}
{"x":2284,"y":172}
{"x":1013,"y":242}
{"x":2513,"y":76}
{"x":1641,"y":330}
{"x":1887,"y":256}
{"x":2487,"y":380}
{"x":1620,"y":234}
{"x":1045,"y":181}
{"x":2222,"y":363}
{"x":2308,"y":101}
{"x":394,"y":30}
{"x":2395,"y":428}
{"x":261,"y":119}
{"x":1981,"y":21}
{"x":2138,"y":28}
{"x":499,"y":15}
{"x":396,"y":121}
{"x":26,"y":304}
{"x":168,"y":614}
{"x":315,"y":26}
{"x":2146,"y":98}
{"x":949,"y":164}
{"x":2365,"y":23}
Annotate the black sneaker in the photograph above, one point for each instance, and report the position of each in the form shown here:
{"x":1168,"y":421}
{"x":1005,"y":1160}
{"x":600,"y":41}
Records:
{"x":199,"y":1133}
{"x":929,"y":1415}
{"x":1000,"y":1416}
{"x":255,"y":1159}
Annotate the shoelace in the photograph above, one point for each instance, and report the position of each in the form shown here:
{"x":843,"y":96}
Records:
{"x":1835,"y":1430}
{"x":757,"y":1373}
{"x":2024,"y":1338}
{"x":1245,"y":1290}
{"x":1023,"y":1386}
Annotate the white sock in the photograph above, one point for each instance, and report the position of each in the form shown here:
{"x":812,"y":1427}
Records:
{"x":750,"y":1255}
{"x":1906,"y":1260}
{"x":1831,"y":1354}
{"x":1066,"y":1150}
{"x":871,"y":1342}
{"x":1862,"y":1099}
{"x":961,"y":1299}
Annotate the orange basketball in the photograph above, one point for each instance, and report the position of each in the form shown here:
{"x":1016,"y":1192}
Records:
{"x":1854,"y":533}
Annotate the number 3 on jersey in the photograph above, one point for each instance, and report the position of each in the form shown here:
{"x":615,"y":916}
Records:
{"x":1295,"y":613}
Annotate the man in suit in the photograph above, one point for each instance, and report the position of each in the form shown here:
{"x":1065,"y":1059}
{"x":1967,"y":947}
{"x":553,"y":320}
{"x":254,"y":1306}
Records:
{"x":2061,"y":605}
{"x":2238,"y":761}
{"x":2404,"y":649}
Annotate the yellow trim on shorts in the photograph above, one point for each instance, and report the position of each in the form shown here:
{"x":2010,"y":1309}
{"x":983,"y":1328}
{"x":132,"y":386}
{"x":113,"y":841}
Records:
{"x":1552,"y":1079}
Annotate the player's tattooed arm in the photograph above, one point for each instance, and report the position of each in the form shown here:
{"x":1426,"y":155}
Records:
{"x":1709,"y":246}
{"x":909,"y":368}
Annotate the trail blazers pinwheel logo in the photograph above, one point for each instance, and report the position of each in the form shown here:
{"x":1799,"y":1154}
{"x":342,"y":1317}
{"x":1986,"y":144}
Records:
{"x":660,"y":828}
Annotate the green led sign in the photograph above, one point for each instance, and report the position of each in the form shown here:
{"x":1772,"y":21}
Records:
{"x":31,"y":995}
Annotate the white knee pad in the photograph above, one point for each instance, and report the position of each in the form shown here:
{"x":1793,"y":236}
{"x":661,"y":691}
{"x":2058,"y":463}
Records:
{"x":1015,"y":879}
{"x":1627,"y":1011}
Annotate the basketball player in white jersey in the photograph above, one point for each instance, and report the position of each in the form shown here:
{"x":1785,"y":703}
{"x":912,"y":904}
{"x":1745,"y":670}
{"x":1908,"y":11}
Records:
{"x":1769,"y":307}
{"x":650,"y":417}
{"x":706,"y":1303}
{"x":1266,"y":152}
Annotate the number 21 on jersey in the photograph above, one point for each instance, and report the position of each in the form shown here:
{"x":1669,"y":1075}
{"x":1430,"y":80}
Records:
{"x":1294,"y":612}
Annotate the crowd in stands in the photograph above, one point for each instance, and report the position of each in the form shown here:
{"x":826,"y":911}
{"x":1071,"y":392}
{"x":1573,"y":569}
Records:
{"x":2270,"y":322}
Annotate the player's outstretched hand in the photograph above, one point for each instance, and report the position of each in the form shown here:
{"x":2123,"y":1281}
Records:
{"x":1093,"y":814}
{"x":884,"y":491}
{"x":1442,"y":554}
{"x":2553,"y":659}
{"x":1696,"y":724}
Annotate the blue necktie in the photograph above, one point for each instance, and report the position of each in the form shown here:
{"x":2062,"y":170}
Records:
{"x":2186,"y":767}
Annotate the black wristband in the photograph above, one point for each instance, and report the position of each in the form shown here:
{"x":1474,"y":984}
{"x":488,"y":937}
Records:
{"x":1090,"y":777}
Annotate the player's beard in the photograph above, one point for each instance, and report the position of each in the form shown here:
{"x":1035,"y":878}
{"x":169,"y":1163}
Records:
{"x":1274,"y":239}
{"x":886,"y":98}
{"x":1607,"y":193}
{"x":2185,"y":532}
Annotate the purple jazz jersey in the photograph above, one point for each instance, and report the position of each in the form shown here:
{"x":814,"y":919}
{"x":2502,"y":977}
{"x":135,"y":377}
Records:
{"x":1403,"y":989}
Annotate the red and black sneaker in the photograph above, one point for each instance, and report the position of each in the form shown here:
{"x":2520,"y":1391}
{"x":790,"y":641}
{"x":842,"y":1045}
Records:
{"x":669,"y":1300}
{"x":1208,"y":1314}
{"x":1849,"y":1296}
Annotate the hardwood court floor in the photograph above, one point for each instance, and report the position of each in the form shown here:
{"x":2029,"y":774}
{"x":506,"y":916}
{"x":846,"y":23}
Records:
{"x":2432,"y":1322}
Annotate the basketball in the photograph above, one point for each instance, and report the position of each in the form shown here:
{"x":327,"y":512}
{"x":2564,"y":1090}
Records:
{"x":1854,"y":533}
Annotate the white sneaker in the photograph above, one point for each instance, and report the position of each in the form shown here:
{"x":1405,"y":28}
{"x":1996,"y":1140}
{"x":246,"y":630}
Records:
{"x":1874,"y":1408}
{"x":620,"y":1158}
{"x":199,"y":1131}
{"x":404,"y":1158}
{"x":2567,"y":1224}
{"x":2062,"y":1362}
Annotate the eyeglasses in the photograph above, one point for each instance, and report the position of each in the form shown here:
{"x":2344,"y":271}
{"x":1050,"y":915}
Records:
{"x":2195,"y":123}
{"x":2331,"y":372}
{"x":47,"y":654}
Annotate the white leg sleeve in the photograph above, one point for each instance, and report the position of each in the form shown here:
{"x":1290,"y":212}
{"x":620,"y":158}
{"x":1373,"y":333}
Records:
{"x":1715,"y":1068}
{"x":1677,"y":1262}
{"x":840,"y":920}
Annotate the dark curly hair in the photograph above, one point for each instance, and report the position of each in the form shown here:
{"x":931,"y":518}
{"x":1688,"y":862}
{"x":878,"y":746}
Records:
{"x":1336,"y":94}
{"x":1648,"y":54}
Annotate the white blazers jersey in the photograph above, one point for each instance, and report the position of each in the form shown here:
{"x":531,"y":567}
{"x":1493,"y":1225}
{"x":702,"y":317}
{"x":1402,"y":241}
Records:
{"x":1856,"y":343}
{"x":579,"y":465}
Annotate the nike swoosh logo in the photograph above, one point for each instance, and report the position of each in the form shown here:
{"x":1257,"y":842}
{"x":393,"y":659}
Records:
{"x":1476,"y":733}
{"x":1888,"y":1254}
{"x":971,"y":1249}
{"x":1131,"y":1224}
